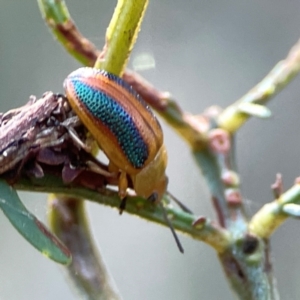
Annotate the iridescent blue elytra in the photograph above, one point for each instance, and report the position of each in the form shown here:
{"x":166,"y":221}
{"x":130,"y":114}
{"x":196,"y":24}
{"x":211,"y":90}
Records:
{"x":114,"y":116}
{"x":120,"y":121}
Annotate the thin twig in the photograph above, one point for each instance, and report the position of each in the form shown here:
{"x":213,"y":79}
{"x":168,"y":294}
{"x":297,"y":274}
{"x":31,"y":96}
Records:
{"x":88,"y":271}
{"x":233,"y":117}
{"x":272,"y":215}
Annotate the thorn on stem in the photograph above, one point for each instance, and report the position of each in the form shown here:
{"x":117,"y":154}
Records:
{"x":219,"y":141}
{"x":277,"y":186}
{"x":199,"y":223}
{"x":233,"y":197}
{"x":230,"y":178}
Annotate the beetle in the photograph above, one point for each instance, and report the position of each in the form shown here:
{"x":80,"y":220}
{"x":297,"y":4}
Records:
{"x":126,"y":130}
{"x":124,"y":127}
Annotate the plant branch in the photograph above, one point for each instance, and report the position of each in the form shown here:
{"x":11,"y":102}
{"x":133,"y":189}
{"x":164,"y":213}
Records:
{"x":121,"y":35}
{"x":273,"y":214}
{"x":235,"y":115}
{"x":67,"y":218}
{"x":57,"y":17}
{"x":197,"y":228}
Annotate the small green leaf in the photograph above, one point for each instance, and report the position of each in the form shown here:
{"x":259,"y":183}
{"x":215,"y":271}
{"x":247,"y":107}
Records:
{"x":291,"y":209}
{"x":30,"y":227}
{"x":255,"y":110}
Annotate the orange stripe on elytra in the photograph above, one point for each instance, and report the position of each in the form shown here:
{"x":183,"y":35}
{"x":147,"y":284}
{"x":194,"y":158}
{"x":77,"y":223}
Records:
{"x":118,"y":92}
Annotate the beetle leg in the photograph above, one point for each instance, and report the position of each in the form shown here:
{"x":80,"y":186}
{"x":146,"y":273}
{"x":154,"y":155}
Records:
{"x":97,"y":169}
{"x":122,"y":205}
{"x":123,"y":184}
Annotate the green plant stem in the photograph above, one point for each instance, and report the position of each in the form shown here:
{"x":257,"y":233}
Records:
{"x":189,"y":224}
{"x":248,"y":272}
{"x":250,"y":275}
{"x":57,"y":17}
{"x":68,"y":221}
{"x":271,"y":215}
{"x":121,"y":35}
{"x":232,"y":118}
{"x":232,"y":217}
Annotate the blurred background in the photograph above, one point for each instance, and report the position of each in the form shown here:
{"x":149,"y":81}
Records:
{"x":204,"y":53}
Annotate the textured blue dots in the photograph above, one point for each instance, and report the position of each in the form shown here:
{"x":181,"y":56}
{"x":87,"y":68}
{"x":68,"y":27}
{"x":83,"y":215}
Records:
{"x":119,"y":81}
{"x":115,"y":117}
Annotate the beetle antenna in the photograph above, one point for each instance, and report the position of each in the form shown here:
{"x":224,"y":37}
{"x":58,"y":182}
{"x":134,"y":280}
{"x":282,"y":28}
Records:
{"x":179,"y":203}
{"x":172,"y":228}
